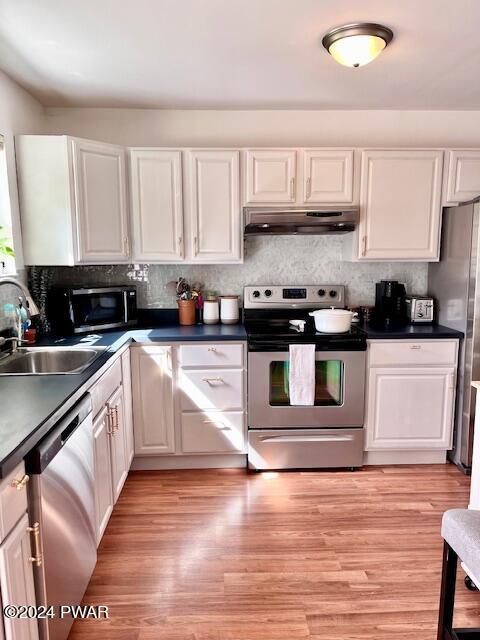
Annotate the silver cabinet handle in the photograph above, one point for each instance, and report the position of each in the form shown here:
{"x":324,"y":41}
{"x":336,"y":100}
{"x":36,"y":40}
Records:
{"x":210,"y":380}
{"x":309,"y":187}
{"x":195,"y":245}
{"x":212,"y":349}
{"x":20,"y":484}
{"x":415,"y":346}
{"x":180,"y":246}
{"x":126,"y":246}
{"x":36,"y":559}
{"x":115,"y":411}
{"x":292,"y":188}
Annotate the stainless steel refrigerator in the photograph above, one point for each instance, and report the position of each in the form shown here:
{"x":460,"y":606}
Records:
{"x":455,"y":282}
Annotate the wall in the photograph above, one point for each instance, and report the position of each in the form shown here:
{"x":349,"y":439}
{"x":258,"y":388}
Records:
{"x":19,"y":113}
{"x":150,"y":127}
{"x":274,"y":260}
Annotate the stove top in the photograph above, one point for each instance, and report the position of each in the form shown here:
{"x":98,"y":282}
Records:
{"x":268,"y":323}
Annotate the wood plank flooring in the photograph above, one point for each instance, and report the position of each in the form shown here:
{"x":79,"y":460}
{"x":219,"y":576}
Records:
{"x":228,"y":555}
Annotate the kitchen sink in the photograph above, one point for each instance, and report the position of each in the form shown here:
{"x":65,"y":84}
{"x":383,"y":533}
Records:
{"x":49,"y":360}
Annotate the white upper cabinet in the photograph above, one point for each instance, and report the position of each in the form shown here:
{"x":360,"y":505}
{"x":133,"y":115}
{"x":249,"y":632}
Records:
{"x":101,"y":198}
{"x":157,"y":207}
{"x":73,"y":201}
{"x":328,"y":175}
{"x":214,"y":221}
{"x":400,"y":204}
{"x":463,"y":175}
{"x":270,"y":175}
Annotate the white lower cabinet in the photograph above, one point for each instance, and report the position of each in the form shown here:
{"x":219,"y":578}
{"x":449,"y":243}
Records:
{"x":152,"y":385}
{"x":128,"y":406}
{"x":411,"y":395}
{"x":113,"y":438}
{"x":103,"y":472}
{"x":189,"y":399}
{"x":411,"y":408}
{"x":16,"y":580}
{"x":117,"y":442}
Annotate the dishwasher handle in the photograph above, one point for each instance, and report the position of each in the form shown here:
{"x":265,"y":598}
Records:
{"x":40,"y":457}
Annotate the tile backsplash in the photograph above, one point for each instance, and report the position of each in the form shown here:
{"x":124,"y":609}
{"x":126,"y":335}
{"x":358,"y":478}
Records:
{"x":270,"y":260}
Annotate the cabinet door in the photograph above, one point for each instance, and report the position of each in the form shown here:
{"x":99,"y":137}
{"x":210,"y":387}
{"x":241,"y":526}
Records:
{"x":118,"y":454}
{"x":328,"y":175}
{"x":153,"y":400}
{"x":400,"y":204}
{"x":157,"y":209}
{"x":103,"y":472}
{"x":463,"y":175}
{"x":128,"y":408}
{"x":101,"y":203}
{"x":410,"y":408}
{"x":270,"y":175}
{"x":16,"y":581}
{"x":215,"y":215}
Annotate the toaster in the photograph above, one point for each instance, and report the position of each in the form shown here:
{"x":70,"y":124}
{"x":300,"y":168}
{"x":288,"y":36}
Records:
{"x":420,"y":309}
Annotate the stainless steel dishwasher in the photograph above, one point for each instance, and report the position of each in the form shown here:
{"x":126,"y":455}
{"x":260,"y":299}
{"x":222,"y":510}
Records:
{"x":62,"y":501}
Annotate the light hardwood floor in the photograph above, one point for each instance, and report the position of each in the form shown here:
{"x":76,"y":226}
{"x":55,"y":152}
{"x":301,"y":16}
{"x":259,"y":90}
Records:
{"x":228,"y":555}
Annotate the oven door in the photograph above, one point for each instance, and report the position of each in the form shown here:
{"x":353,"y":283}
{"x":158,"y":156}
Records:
{"x":339,"y":391}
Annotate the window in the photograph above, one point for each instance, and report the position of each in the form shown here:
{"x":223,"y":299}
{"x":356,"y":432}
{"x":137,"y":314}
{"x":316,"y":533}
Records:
{"x":7,"y":262}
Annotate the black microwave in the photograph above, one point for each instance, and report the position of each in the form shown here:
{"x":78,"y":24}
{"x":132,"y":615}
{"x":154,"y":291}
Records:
{"x":81,"y":310}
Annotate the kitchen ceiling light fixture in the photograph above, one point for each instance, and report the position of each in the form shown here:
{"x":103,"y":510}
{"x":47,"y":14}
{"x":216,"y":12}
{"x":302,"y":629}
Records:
{"x":355,"y":45}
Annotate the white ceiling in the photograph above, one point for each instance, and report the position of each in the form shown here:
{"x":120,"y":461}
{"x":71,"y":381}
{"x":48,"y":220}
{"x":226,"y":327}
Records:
{"x":239,"y":54}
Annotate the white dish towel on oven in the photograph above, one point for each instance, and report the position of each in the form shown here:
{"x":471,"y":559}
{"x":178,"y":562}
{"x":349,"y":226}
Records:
{"x":301,"y":377}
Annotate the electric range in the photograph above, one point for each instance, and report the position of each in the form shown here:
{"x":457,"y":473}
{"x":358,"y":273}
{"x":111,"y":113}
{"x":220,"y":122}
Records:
{"x":328,"y":433}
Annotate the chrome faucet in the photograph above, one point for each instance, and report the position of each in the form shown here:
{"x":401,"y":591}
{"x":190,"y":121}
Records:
{"x":31,"y":306}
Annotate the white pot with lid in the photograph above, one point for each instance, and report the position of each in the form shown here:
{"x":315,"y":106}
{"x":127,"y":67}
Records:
{"x":332,"y":320}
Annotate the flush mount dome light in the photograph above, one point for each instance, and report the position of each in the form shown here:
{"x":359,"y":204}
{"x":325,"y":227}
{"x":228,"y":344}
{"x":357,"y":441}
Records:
{"x":355,"y":45}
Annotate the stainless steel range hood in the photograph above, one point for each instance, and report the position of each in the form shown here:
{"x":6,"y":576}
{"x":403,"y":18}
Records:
{"x":260,"y":221}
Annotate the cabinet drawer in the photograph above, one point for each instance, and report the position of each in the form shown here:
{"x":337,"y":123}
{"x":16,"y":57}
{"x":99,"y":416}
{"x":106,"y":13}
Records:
{"x":105,"y":386}
{"x":211,"y":355}
{"x":213,"y":432}
{"x":220,"y":389}
{"x":403,"y":352}
{"x":13,"y":499}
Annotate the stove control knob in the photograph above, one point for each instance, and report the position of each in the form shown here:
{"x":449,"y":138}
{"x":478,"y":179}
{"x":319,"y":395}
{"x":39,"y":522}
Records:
{"x":333,"y":293}
{"x":321,"y":292}
{"x":256,"y":293}
{"x":268,"y":293}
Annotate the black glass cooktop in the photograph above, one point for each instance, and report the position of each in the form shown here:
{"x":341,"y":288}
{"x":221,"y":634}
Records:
{"x":275,"y":332}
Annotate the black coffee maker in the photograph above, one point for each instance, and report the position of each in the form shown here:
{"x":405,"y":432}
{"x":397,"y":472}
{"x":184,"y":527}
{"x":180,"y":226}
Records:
{"x":390,"y":308}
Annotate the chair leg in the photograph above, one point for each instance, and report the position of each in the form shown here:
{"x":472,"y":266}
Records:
{"x":447,"y":593}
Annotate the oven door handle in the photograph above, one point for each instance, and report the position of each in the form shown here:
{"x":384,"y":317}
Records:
{"x":306,"y":438}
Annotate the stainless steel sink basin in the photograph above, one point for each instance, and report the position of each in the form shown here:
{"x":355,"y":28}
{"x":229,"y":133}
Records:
{"x":48,"y":360}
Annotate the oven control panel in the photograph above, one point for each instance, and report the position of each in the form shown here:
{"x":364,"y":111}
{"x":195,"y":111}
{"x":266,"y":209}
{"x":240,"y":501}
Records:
{"x":307,"y":296}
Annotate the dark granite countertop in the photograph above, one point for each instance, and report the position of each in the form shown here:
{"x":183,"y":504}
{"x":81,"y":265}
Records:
{"x":412,"y":332}
{"x":31,"y":405}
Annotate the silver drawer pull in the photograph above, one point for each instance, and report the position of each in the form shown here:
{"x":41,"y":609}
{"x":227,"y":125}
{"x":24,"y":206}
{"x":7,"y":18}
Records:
{"x":212,"y":349}
{"x":20,"y":484}
{"x":210,"y":380}
{"x":415,"y":346}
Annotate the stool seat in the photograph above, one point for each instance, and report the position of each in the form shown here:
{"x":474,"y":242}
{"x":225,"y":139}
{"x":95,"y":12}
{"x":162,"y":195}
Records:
{"x":461,"y":530}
